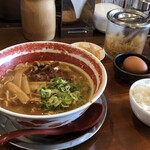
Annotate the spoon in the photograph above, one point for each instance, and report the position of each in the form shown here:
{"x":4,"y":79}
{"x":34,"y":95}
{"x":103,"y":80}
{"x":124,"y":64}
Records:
{"x":86,"y":121}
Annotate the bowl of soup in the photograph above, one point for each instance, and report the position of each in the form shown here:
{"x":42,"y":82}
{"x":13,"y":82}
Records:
{"x":48,"y":84}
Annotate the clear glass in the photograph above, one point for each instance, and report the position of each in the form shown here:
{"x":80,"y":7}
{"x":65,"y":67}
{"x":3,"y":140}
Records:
{"x":38,"y":19}
{"x":120,"y":39}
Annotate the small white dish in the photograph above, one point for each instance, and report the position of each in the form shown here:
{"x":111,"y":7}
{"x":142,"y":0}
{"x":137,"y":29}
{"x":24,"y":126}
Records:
{"x":92,"y":48}
{"x":139,"y":103}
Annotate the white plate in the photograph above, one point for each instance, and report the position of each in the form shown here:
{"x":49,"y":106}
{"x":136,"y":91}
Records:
{"x":53,"y":142}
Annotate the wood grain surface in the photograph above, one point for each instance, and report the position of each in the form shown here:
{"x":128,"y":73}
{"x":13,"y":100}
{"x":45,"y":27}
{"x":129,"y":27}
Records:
{"x":121,"y":129}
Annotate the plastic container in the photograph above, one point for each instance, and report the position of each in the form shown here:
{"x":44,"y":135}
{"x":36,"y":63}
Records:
{"x":38,"y":19}
{"x":127,"y":31}
{"x":100,"y":15}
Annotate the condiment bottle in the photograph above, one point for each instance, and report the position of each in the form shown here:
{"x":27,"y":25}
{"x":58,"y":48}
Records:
{"x":142,"y":5}
{"x":38,"y":19}
{"x":127,"y":31}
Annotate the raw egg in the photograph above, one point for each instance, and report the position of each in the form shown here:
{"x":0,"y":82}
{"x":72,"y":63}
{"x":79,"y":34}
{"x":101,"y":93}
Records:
{"x":136,"y":65}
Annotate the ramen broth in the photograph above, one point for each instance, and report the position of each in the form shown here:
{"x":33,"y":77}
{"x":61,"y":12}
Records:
{"x":44,"y":87}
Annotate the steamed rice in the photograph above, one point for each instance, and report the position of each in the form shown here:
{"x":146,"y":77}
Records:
{"x":141,"y":94}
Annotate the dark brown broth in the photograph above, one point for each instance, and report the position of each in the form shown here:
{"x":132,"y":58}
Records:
{"x":65,"y":71}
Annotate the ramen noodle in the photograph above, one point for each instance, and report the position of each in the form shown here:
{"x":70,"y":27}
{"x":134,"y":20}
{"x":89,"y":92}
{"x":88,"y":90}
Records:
{"x":44,"y":87}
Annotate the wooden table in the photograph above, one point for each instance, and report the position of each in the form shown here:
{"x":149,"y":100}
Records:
{"x":121,"y":129}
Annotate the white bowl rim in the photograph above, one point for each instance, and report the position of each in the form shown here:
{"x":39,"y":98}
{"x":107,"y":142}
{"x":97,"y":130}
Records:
{"x":138,"y":82}
{"x":103,"y":85}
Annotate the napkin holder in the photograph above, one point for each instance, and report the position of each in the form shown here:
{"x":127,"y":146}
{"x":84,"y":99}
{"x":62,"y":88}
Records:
{"x":73,"y":25}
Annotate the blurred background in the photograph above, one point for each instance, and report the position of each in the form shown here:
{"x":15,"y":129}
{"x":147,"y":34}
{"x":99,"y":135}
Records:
{"x":10,"y":10}
{"x":66,"y":24}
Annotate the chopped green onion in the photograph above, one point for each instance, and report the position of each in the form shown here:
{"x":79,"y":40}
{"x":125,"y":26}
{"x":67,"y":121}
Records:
{"x":59,"y":94}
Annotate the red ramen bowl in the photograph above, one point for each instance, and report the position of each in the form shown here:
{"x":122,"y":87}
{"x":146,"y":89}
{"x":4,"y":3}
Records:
{"x":53,"y":51}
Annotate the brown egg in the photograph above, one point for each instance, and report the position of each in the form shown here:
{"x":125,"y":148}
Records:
{"x":134,"y":64}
